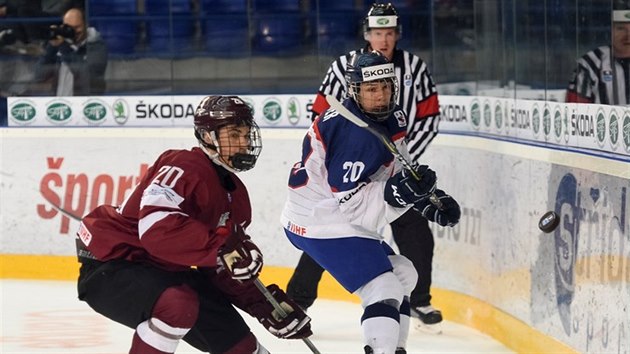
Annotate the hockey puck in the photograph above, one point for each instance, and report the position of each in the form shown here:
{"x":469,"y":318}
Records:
{"x":549,"y":221}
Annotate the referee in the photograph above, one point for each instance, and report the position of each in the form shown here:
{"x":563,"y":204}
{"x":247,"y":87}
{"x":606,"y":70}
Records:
{"x":603,"y":74}
{"x":418,"y":98}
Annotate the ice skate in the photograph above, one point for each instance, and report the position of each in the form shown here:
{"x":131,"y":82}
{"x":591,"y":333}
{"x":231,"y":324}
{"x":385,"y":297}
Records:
{"x":427,"y":319}
{"x":368,"y":350}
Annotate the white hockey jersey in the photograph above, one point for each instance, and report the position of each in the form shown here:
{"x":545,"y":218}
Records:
{"x":337,"y":189}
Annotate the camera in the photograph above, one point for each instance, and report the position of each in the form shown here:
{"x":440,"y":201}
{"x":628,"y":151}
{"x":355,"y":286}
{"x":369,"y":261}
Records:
{"x":62,"y":30}
{"x":7,"y":37}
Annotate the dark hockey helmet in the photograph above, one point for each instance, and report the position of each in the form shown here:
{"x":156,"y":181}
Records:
{"x":621,"y":11}
{"x":372,"y":67}
{"x":215,"y":112}
{"x":381,"y":16}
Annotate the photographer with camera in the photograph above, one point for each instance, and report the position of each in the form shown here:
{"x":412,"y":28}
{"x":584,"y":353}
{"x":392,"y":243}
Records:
{"x":75,"y":58}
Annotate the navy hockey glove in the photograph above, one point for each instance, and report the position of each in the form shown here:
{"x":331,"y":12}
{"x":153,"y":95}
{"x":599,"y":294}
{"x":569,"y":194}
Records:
{"x":240,"y":256}
{"x":296,"y":325}
{"x":447,"y":215}
{"x":403,"y":189}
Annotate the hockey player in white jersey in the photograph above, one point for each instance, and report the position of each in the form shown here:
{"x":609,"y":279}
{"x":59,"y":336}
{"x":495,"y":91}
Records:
{"x":418,"y":98}
{"x":347,"y":188}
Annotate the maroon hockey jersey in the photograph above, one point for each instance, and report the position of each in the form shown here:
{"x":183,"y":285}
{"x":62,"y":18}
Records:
{"x":172,"y":216}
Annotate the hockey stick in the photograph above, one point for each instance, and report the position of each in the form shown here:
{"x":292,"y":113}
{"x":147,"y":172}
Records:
{"x":272,"y":300}
{"x":389,"y":144}
{"x":62,"y":210}
{"x":261,"y":287}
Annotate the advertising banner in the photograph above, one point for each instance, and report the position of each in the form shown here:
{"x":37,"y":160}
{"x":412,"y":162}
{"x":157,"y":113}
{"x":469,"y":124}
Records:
{"x":283,"y":111}
{"x":595,"y":129}
{"x":588,"y":128}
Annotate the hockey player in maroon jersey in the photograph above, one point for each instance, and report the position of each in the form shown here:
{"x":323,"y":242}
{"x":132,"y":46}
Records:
{"x":174,"y":258}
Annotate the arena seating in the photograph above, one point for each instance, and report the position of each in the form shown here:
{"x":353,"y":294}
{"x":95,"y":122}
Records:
{"x":279,"y":27}
{"x":225,"y":28}
{"x":337,"y":32}
{"x":170,"y":27}
{"x":117,"y":22}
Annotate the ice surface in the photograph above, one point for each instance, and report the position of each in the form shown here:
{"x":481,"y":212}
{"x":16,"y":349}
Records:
{"x":46,"y":317}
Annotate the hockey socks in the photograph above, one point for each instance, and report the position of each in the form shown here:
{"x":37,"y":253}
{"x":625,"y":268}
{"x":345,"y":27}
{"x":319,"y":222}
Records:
{"x":174,"y":314}
{"x":404,"y":323}
{"x":380,"y":324}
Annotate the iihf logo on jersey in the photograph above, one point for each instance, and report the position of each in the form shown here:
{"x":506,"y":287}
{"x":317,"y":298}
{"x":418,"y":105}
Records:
{"x":407,"y":80}
{"x":84,"y":234}
{"x":296,"y":229}
{"x":607,"y":76}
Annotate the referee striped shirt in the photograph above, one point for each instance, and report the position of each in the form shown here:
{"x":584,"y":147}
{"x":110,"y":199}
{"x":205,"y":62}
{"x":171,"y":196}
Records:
{"x":417,"y":96}
{"x":595,"y":80}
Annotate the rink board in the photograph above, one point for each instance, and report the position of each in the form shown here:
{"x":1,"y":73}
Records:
{"x":495,"y":271}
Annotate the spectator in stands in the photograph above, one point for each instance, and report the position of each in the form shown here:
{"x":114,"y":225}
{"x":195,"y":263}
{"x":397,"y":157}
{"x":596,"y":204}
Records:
{"x":75,"y":58}
{"x":602,"y":74}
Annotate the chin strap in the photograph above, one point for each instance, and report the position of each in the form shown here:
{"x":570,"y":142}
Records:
{"x":235,"y":163}
{"x":215,"y":157}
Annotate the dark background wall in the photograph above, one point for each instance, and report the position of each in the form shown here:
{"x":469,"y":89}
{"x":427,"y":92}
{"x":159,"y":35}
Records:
{"x":285,"y":46}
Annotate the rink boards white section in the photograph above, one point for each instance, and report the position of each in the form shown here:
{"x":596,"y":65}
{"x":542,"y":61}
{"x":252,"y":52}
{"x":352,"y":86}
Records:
{"x":572,"y":285}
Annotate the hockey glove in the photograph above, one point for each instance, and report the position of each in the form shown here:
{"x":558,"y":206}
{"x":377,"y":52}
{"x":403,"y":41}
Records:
{"x":447,"y":215}
{"x":240,"y":256}
{"x":296,"y":325}
{"x":403,"y":189}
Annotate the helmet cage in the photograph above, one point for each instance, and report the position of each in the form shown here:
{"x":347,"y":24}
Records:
{"x":381,"y":113}
{"x":372,"y":67}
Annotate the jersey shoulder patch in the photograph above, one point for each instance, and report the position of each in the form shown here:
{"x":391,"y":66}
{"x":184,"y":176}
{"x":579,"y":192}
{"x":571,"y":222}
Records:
{"x":401,"y":118}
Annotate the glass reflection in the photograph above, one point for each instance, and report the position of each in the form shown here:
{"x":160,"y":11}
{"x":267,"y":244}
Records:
{"x":530,"y":49}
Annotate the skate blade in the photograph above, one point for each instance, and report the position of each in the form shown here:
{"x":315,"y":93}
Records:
{"x":427,"y":328}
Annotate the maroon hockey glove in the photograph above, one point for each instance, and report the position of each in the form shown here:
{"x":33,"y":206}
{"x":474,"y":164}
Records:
{"x":296,"y":325}
{"x":240,"y":256}
{"x":447,"y":215}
